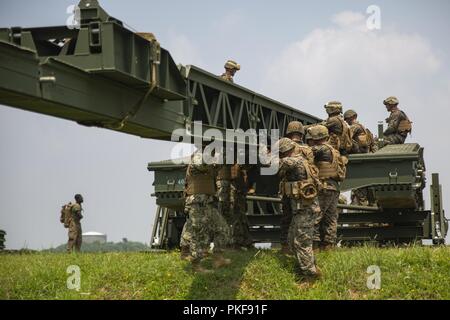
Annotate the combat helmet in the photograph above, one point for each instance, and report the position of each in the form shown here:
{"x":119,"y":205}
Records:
{"x":284,"y":145}
{"x":295,"y":127}
{"x":318,"y":132}
{"x":391,"y":101}
{"x":333,"y":106}
{"x":350,"y":113}
{"x":230,"y":64}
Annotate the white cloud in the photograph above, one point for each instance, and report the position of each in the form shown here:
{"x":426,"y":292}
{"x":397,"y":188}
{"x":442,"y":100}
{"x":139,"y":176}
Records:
{"x":350,"y":63}
{"x":348,"y":18}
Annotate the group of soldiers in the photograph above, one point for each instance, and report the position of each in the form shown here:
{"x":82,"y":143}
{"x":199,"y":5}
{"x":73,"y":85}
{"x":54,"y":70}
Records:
{"x":312,"y":163}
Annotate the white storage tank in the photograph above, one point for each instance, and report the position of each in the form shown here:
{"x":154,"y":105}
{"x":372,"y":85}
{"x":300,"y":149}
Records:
{"x":92,"y":237}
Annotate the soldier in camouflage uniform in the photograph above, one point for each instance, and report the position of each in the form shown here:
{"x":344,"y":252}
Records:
{"x":231,"y":67}
{"x":223,"y":184}
{"x":240,"y":226}
{"x":298,"y":190}
{"x":362,"y":143}
{"x":337,"y":128}
{"x":204,"y":224}
{"x":331,"y":172}
{"x":358,"y":133}
{"x":75,"y":232}
{"x":295,"y":131}
{"x":398,"y":123}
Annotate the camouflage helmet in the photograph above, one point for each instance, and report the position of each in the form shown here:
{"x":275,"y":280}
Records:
{"x":295,"y":127}
{"x":308,"y":135}
{"x":334,"y":105}
{"x":350,"y":113}
{"x":230,"y":64}
{"x":284,"y":145}
{"x":390,"y":101}
{"x":318,"y":132}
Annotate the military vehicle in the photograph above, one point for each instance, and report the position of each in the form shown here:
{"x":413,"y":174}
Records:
{"x":99,"y":73}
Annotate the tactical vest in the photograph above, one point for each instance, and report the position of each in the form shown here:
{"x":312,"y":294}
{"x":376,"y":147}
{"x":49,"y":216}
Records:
{"x":345,"y":139}
{"x":200,"y":184}
{"x":335,"y":169}
{"x":405,"y":125}
{"x":305,"y":190}
{"x":363,"y":138}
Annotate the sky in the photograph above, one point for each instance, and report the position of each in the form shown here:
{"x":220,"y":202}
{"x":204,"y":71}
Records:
{"x":303,"y":53}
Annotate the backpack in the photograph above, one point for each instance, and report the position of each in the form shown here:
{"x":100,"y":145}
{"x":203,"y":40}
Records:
{"x":370,"y":141}
{"x":345,"y":140}
{"x":405,"y":125}
{"x":66,"y":214}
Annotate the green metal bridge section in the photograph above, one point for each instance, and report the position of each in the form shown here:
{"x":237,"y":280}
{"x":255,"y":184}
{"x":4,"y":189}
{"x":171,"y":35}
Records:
{"x":105,"y":75}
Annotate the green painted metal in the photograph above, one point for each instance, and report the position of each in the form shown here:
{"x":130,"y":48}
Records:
{"x":395,"y":175}
{"x":438,"y":221}
{"x":105,"y":75}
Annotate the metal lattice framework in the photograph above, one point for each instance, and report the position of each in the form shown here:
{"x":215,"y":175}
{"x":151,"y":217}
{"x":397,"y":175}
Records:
{"x":220,"y":104}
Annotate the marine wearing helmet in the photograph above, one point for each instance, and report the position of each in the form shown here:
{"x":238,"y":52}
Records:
{"x":231,"y":67}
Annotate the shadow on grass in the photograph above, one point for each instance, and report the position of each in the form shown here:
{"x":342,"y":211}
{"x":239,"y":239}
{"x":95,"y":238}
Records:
{"x":223,"y":283}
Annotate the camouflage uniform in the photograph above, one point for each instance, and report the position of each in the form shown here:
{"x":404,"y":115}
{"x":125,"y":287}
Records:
{"x":227,"y":77}
{"x":75,"y":232}
{"x":301,"y":150}
{"x":357,"y":130}
{"x":204,"y":223}
{"x":240,"y":226}
{"x":232,"y":66}
{"x":223,"y":185}
{"x":300,"y":236}
{"x":338,"y":130}
{"x":392,"y":135}
{"x":326,"y":223}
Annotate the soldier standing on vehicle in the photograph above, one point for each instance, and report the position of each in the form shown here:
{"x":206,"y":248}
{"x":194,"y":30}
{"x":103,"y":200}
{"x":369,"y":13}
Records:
{"x":362,"y":138}
{"x":231,"y":67}
{"x":398,"y":122}
{"x":74,"y":224}
{"x":204,"y":224}
{"x":295,"y":131}
{"x":339,"y":132}
{"x":363,"y":142}
{"x":298,"y":189}
{"x":331,"y":166}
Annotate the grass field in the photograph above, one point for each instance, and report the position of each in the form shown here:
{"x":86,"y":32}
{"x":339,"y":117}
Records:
{"x":406,"y":273}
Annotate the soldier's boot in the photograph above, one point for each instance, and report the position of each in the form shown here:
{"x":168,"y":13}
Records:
{"x":285,"y":249}
{"x":219,"y":261}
